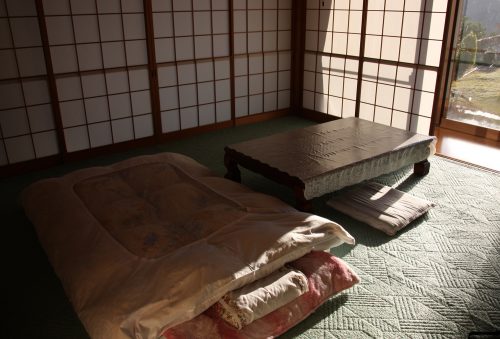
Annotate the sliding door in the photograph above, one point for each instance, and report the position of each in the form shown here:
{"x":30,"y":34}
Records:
{"x":80,"y":76}
{"x":376,"y":59}
{"x":192,"y":52}
{"x":262,"y":55}
{"x":27,"y":126}
{"x":332,"y":56}
{"x":99,"y":58}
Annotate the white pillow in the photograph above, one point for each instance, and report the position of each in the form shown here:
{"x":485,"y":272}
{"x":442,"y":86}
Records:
{"x":381,"y":207}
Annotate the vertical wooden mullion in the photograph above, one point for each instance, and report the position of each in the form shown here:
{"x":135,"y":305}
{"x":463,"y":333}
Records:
{"x":262,"y":54}
{"x":247,"y":54}
{"x":445,"y":64}
{"x":213,"y":60}
{"x":417,"y":64}
{"x":380,"y":61}
{"x":154,"y":88}
{"x":399,"y":55}
{"x":104,"y":73}
{"x":176,"y":67}
{"x":316,"y":58}
{"x":79,"y":74}
{"x":299,"y":8}
{"x":330,"y":60}
{"x":345,"y":62}
{"x":277,"y":55}
{"x":22,"y":91}
{"x":346,"y":53}
{"x":195,"y":60}
{"x":54,"y":97}
{"x":127,"y":68}
{"x":362,"y":43}
{"x":214,"y":80}
{"x":25,"y":106}
{"x":231,"y":63}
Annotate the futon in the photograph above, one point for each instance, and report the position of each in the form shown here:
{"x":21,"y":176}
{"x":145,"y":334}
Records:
{"x":152,"y":242}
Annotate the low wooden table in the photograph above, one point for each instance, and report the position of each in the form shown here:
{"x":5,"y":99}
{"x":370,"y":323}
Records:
{"x":326,"y":157}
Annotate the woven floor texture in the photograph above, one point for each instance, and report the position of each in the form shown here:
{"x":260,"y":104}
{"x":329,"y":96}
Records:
{"x":438,"y":278}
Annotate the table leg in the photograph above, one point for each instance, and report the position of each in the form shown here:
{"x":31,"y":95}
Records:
{"x":422,"y":168}
{"x":303,"y":204}
{"x":233,"y":172}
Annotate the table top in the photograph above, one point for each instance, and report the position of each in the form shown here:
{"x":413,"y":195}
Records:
{"x":308,"y":152}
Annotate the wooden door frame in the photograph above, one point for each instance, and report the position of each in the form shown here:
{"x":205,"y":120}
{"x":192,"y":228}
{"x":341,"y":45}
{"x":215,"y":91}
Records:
{"x":447,"y":70}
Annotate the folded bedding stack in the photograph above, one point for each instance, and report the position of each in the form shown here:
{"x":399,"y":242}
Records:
{"x":253,"y":301}
{"x":324,"y":275}
{"x":147,"y":246}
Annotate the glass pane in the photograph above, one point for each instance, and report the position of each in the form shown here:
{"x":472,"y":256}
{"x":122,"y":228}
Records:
{"x":475,"y":81}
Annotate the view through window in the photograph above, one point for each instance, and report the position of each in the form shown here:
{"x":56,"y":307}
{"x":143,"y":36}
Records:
{"x":475,"y":86}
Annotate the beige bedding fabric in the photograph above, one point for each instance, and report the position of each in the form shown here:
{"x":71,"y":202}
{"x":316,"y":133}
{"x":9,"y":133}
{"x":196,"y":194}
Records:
{"x":153,"y":241}
{"x":253,"y":301}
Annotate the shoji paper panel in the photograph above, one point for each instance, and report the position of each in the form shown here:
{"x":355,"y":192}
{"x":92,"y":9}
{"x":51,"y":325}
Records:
{"x":192,"y":52}
{"x":402,"y":49}
{"x":330,"y":84}
{"x":262,"y":62}
{"x":27,"y":129}
{"x":409,"y":34}
{"x":99,"y":56}
{"x":333,"y":35}
{"x":406,"y":31}
{"x":398,"y":96}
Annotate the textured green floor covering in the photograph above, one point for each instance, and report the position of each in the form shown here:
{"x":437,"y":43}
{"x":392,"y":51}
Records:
{"x":439,"y":278}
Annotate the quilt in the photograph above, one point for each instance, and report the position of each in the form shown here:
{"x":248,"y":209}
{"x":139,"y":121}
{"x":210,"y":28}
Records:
{"x":153,"y":241}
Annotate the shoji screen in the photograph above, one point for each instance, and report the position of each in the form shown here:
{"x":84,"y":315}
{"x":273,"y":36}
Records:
{"x":99,"y":56}
{"x":399,"y":52}
{"x":192,"y":52}
{"x":27,"y":129}
{"x":407,"y":37}
{"x":262,"y":61}
{"x":331,"y":60}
